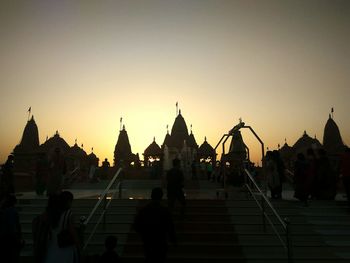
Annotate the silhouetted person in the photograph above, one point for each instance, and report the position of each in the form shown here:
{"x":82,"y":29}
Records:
{"x":60,"y":218}
{"x":7,"y":180}
{"x":105,"y":169}
{"x":155,"y":226}
{"x":11,"y":241}
{"x":209,"y":170}
{"x":41,"y":225}
{"x":41,"y":174}
{"x":57,"y":170}
{"x":175,"y":184}
{"x":345,"y":172}
{"x":280,"y":171}
{"x":110,"y":255}
{"x":273,"y":178}
{"x":325,"y":181}
{"x":301,"y":188}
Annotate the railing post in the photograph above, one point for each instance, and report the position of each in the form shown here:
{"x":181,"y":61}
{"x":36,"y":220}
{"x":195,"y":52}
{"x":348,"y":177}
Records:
{"x":263,"y":212}
{"x":288,"y":241}
{"x":120,"y":190}
{"x":104,"y":211}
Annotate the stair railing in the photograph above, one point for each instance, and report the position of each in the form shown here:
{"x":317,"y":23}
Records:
{"x":264,"y":203}
{"x":104,"y":202}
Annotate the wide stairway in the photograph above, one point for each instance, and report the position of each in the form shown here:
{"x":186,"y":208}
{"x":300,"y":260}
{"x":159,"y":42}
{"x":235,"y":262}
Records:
{"x":216,"y":230}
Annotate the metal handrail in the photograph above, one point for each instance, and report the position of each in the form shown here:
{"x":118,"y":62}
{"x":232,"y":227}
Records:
{"x":285,"y":223}
{"x":103,"y":197}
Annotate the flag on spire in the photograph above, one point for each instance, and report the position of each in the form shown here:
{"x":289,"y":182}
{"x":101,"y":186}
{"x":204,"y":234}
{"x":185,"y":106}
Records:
{"x":29,"y":111}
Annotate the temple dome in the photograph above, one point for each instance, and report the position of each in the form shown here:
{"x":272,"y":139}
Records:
{"x":332,"y":140}
{"x":153,"y":149}
{"x":305,"y":142}
{"x":205,"y":150}
{"x":286,"y":151}
{"x":76,"y":151}
{"x":122,"y":149}
{"x":55,"y":141}
{"x":30,"y":138}
{"x":179,"y":132}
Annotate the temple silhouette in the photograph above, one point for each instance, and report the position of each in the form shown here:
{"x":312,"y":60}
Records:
{"x":178,"y":143}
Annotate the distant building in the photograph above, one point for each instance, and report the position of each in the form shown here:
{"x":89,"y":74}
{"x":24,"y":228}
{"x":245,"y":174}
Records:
{"x":122,"y":151}
{"x":25,"y":153}
{"x":179,"y":144}
{"x":332,"y":141}
{"x":305,"y":142}
{"x":152,"y":153}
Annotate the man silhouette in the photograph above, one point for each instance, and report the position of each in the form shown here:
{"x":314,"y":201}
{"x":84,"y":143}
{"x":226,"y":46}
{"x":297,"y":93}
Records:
{"x":155,"y":226}
{"x":175,"y":184}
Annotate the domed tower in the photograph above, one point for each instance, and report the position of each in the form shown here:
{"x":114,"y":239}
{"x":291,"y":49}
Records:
{"x":153,"y":151}
{"x":54,"y":142}
{"x":122,"y":151}
{"x":77,"y":157}
{"x":179,"y":132}
{"x":206,"y":151}
{"x":286,"y":153}
{"x":305,"y":142}
{"x":332,"y":141}
{"x":179,"y":144}
{"x":25,"y":152}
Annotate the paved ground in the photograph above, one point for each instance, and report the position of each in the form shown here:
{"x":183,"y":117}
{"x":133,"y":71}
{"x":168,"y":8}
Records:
{"x":140,"y":189}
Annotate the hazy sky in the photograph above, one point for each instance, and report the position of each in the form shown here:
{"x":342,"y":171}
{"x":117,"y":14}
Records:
{"x":279,"y":65}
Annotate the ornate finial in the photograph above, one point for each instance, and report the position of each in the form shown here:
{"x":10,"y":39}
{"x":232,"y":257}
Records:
{"x":154,"y":138}
{"x":167,"y":129}
{"x":332,"y":111}
{"x":285,"y":140}
{"x":177,"y":107}
{"x":92,"y":149}
{"x":82,"y":146}
{"x":120,"y":123}
{"x":123,"y":127}
{"x":205,"y":138}
{"x":305,"y":133}
{"x":57,"y":133}
{"x":76,"y":141}
{"x":191,"y":128}
{"x":179,"y":111}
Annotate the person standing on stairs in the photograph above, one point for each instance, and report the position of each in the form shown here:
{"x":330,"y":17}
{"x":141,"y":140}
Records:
{"x":155,"y":226}
{"x":175,"y":185}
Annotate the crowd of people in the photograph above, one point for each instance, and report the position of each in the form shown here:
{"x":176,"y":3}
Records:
{"x":315,"y":176}
{"x":58,"y":238}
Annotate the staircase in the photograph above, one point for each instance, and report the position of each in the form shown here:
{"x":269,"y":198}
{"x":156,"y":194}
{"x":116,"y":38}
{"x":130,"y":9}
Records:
{"x":217,"y":230}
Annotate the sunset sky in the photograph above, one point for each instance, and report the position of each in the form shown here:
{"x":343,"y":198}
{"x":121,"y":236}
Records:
{"x":278,"y":65}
